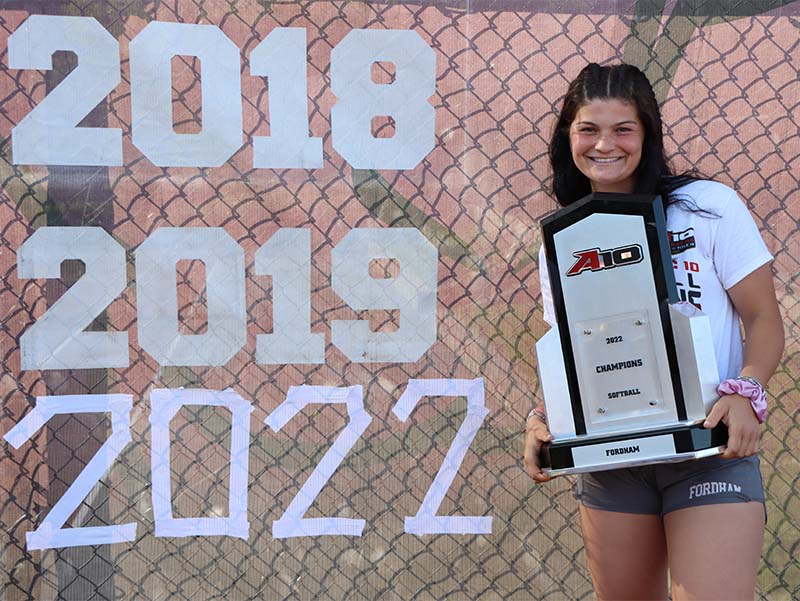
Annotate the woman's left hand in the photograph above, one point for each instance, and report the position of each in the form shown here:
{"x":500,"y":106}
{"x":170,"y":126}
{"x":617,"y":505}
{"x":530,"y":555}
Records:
{"x":744,"y":431}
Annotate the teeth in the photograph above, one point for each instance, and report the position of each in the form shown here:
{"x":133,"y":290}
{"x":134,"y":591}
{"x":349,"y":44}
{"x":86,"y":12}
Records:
{"x":599,"y":160}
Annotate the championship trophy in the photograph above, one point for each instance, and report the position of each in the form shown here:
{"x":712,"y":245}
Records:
{"x":628,"y":374}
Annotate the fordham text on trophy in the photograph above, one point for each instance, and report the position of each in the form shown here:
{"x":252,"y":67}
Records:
{"x":628,"y":374}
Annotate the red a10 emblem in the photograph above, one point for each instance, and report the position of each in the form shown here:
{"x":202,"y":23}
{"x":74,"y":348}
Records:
{"x":594,"y":259}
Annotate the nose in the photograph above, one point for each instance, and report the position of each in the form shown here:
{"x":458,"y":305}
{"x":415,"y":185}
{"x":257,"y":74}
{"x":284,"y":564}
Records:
{"x":604,"y":143}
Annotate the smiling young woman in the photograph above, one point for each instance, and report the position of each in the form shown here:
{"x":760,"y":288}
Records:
{"x":639,"y":523}
{"x":606,"y":140}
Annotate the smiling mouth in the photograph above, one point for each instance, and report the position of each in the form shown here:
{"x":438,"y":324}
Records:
{"x":604,"y":161}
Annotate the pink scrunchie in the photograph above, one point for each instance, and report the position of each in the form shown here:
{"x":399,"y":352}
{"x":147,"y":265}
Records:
{"x":749,"y":390}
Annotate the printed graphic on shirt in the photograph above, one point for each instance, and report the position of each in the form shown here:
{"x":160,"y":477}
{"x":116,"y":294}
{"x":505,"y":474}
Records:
{"x":712,"y":488}
{"x":681,"y":241}
{"x":687,"y":274}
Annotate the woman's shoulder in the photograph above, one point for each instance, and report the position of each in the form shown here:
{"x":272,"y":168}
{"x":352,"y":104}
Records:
{"x":705,"y":196}
{"x":706,"y":187}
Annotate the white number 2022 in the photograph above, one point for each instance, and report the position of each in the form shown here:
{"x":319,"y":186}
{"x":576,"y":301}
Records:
{"x":57,"y":339}
{"x":50,"y":135}
{"x":165,"y":404}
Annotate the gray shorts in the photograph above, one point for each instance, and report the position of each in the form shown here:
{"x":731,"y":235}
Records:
{"x":661,"y":488}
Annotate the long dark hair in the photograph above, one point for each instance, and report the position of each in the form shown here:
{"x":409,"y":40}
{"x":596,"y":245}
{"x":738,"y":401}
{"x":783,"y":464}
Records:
{"x":628,"y":84}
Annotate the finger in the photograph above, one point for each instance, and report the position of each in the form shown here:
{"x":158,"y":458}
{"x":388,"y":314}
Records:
{"x":536,"y":473}
{"x":542,"y":476}
{"x":734,"y":444}
{"x":755,"y":442}
{"x":716,"y":414}
{"x":728,"y":453}
{"x":532,"y":466}
{"x":749,"y":444}
{"x":530,"y":454}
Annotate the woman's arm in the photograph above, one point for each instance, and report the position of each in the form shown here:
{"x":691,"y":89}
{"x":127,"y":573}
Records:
{"x":536,"y":430}
{"x":754,"y":300}
{"x":536,"y":434}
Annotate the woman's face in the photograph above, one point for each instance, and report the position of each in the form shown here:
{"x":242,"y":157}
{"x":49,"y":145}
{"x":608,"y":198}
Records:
{"x":606,"y":140}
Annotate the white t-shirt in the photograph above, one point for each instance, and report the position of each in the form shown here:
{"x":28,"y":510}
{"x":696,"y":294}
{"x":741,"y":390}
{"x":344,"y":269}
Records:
{"x":709,"y":255}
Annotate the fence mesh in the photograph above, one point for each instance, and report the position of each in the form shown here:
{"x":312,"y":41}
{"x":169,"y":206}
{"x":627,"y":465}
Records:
{"x":727,"y":77}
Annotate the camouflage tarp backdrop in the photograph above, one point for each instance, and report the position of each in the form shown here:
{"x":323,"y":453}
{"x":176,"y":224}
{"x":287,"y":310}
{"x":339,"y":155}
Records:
{"x":727,"y":77}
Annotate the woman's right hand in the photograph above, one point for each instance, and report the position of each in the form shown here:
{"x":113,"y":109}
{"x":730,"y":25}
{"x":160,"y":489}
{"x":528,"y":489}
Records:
{"x":536,"y":433}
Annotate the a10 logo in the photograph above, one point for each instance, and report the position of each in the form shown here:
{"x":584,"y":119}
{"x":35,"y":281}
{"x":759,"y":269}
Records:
{"x":594,"y":259}
{"x":49,"y":134}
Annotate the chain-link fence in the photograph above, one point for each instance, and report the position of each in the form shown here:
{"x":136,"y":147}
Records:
{"x":727,"y":77}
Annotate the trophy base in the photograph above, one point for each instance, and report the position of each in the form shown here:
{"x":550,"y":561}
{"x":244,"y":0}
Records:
{"x":671,"y":444}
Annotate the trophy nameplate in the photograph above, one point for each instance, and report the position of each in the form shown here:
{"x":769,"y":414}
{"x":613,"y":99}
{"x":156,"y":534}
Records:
{"x":628,"y":374}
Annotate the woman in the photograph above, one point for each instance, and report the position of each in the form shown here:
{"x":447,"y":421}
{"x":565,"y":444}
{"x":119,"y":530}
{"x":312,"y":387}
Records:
{"x":638,"y":523}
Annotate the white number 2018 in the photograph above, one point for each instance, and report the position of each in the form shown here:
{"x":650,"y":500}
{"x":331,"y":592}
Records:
{"x":49,"y":133}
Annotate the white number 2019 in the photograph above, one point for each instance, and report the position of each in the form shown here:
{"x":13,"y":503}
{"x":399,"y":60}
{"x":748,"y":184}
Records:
{"x":50,"y":135}
{"x":57,"y":339}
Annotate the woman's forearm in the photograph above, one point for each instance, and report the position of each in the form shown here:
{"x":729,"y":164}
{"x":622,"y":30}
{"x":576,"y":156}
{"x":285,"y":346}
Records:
{"x":763,"y":347}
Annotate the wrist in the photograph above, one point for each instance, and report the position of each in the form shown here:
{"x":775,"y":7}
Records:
{"x":538,"y":412}
{"x":749,"y":388}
